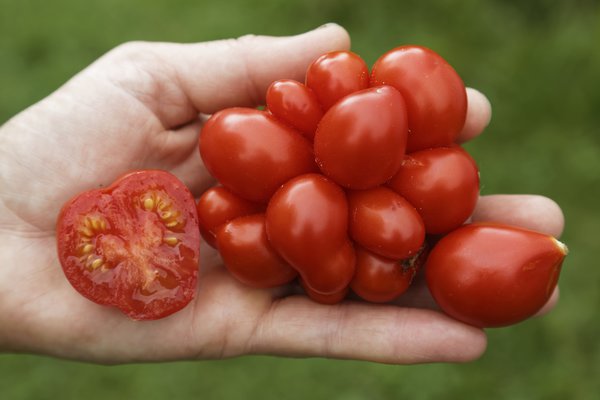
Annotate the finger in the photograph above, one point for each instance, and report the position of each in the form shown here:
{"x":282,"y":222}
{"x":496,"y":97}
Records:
{"x":206,"y":77}
{"x":533,"y":212}
{"x":296,"y":326}
{"x":182,"y":158}
{"x":479,"y":114}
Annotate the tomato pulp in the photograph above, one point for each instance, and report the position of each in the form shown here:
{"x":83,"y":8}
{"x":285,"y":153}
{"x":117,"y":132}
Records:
{"x":134,"y":245}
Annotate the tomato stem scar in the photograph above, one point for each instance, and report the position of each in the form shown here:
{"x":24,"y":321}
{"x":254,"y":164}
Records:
{"x":563,"y":247}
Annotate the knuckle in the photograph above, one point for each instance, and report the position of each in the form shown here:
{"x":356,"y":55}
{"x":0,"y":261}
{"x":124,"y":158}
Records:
{"x":245,"y":39}
{"x":129,"y":51}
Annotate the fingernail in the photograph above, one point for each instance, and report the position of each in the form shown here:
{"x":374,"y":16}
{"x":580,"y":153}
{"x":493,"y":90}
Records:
{"x":327,"y":25}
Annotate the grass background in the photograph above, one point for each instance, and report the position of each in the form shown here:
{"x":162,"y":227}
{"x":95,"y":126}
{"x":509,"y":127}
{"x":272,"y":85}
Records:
{"x":538,"y":62}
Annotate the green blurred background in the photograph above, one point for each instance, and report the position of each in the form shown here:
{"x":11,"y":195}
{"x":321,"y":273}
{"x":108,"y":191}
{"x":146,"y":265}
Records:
{"x":537,"y":61}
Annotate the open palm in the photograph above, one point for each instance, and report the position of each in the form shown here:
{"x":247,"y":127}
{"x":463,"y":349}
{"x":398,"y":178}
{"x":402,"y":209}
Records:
{"x":140,"y":107}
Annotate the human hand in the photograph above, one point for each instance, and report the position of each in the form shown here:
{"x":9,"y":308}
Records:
{"x":140,"y":107}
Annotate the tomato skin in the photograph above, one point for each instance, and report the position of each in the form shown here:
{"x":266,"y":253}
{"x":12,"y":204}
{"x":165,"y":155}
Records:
{"x":251,"y":153}
{"x":379,"y":279}
{"x":491,"y":275}
{"x":133,"y":245}
{"x":442,"y":184}
{"x":248,"y":255}
{"x":219,"y":205}
{"x":360,"y":141}
{"x":329,"y":299}
{"x":307,"y":223}
{"x":337,"y":74}
{"x":295,"y":104}
{"x":385,"y":223}
{"x":435,"y":95}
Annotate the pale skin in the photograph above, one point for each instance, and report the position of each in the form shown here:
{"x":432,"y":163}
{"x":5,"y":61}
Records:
{"x":139,"y":107}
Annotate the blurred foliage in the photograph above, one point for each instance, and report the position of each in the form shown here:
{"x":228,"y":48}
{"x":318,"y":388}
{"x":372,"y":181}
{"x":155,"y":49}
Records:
{"x":537,"y":61}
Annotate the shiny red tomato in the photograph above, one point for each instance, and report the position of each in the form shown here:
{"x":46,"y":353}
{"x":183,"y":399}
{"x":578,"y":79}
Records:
{"x":435,"y":95}
{"x":442,"y":184}
{"x":491,"y":275}
{"x":385,"y":223}
{"x":335,"y":75}
{"x":307,"y":224}
{"x":252,"y":153}
{"x":379,"y":279}
{"x":219,"y":205}
{"x":133,"y":245}
{"x":295,"y":104}
{"x":360,"y":141}
{"x":248,"y":255}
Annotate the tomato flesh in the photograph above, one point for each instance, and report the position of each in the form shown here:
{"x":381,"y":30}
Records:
{"x":133,"y":245}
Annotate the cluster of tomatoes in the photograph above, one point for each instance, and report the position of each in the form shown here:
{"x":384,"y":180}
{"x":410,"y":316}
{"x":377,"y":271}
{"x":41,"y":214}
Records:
{"x":340,"y":179}
{"x":343,"y":182}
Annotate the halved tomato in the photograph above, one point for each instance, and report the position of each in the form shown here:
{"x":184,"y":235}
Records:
{"x":134,"y":245}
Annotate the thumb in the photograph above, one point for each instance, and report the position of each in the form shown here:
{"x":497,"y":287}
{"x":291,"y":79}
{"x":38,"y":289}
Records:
{"x":206,"y":77}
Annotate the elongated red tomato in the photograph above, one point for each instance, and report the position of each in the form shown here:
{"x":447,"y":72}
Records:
{"x":335,"y":75}
{"x":133,"y":245}
{"x":252,"y":154}
{"x":307,"y":223}
{"x":295,"y":104}
{"x":360,"y":141}
{"x":219,"y":205}
{"x":379,"y":279}
{"x":248,"y":255}
{"x":435,"y":95}
{"x":491,"y":275}
{"x":442,"y":184}
{"x":385,"y":223}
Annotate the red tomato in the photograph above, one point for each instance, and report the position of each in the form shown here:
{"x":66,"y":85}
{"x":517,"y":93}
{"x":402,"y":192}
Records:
{"x":379,"y":279}
{"x":435,"y":95}
{"x":491,"y":275}
{"x":219,"y":205}
{"x":442,"y":184}
{"x":335,"y":75}
{"x":307,"y":223}
{"x":295,"y":104}
{"x":251,"y":153}
{"x":248,"y":255}
{"x":133,"y":245}
{"x":385,"y":223}
{"x":330,"y":299}
{"x":360,"y":141}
